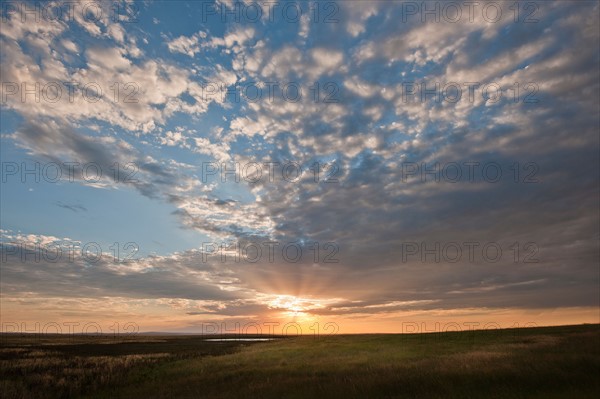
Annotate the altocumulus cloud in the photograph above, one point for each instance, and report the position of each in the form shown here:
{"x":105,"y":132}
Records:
{"x":376,"y":128}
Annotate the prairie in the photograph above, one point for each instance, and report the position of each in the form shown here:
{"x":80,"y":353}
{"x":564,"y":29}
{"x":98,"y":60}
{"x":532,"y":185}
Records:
{"x":545,"y":362}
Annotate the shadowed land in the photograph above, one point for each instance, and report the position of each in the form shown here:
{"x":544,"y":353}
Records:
{"x":548,"y":362}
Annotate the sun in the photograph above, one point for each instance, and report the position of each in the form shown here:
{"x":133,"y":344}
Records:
{"x":295,"y":307}
{"x":305,"y":310}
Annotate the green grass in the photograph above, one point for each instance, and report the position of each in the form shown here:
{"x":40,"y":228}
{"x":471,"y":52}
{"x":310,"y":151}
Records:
{"x":552,"y":362}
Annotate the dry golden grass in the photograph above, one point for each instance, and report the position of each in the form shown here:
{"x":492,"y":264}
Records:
{"x":544,"y":363}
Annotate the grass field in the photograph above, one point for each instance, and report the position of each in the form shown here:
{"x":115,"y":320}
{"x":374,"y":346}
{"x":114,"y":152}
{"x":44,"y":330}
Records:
{"x":550,"y":362}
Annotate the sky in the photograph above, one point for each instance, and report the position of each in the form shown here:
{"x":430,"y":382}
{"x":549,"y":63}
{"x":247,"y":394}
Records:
{"x":316,"y":167}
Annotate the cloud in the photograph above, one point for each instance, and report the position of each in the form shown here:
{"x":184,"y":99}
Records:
{"x":191,"y":45}
{"x":366,"y":138}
